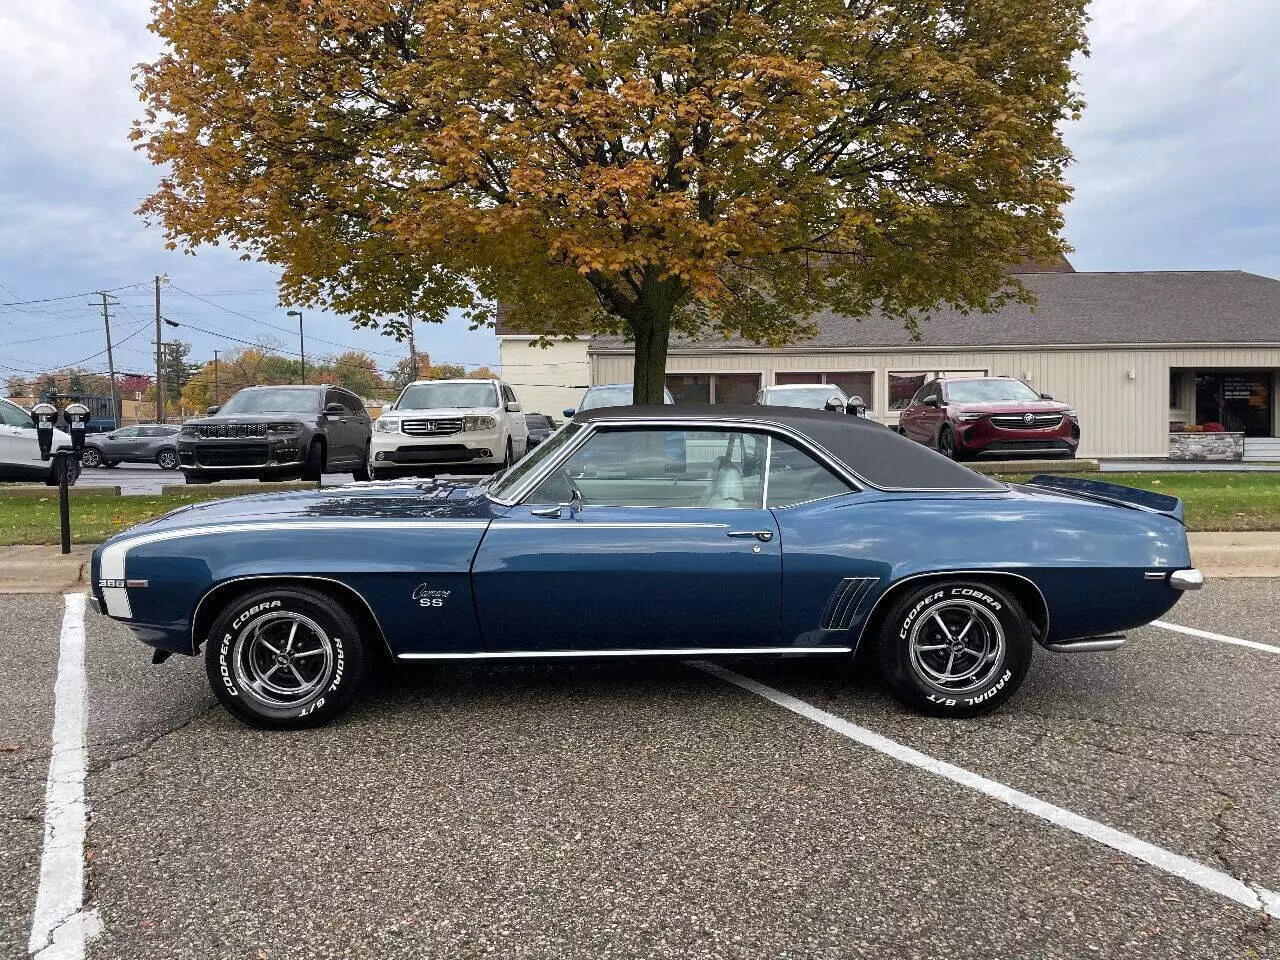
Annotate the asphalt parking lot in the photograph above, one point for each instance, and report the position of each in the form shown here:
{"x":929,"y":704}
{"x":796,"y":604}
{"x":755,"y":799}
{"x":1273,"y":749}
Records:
{"x":650,"y":809}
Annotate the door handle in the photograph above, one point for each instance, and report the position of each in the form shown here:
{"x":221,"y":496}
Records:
{"x":764,"y":536}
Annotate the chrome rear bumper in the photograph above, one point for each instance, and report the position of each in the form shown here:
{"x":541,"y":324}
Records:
{"x":1191,"y":579}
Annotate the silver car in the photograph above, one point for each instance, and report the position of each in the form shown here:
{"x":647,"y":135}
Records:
{"x":145,"y":443}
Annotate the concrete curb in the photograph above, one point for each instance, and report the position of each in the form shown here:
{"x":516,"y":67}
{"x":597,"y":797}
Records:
{"x":236,"y":489}
{"x":1034,"y":466}
{"x":41,"y":490}
{"x":43,"y":569}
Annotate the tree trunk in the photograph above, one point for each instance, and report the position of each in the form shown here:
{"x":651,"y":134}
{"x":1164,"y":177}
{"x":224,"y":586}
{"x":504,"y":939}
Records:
{"x":649,"y":375}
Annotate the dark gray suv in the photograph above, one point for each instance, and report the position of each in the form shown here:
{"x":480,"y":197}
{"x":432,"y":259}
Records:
{"x":145,"y":443}
{"x":278,"y":433}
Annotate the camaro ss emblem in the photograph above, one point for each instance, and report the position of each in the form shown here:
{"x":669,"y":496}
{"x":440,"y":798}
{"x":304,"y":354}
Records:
{"x":427,"y":597}
{"x":1028,"y":418}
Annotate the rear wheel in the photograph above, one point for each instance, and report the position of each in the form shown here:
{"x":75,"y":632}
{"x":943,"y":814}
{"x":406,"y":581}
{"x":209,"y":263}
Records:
{"x":167,"y":459}
{"x":284,"y":657}
{"x":955,"y":648}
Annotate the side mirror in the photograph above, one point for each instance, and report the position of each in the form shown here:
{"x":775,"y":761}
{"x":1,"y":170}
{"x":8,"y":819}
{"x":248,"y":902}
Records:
{"x":569,"y":412}
{"x":210,"y":411}
{"x":1045,"y":396}
{"x":44,"y":414}
{"x":513,"y":407}
{"x":834,"y":404}
{"x":335,"y":410}
{"x":930,"y":401}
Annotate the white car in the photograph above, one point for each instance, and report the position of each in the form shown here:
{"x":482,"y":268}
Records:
{"x":448,"y":423}
{"x":20,"y":449}
{"x":813,"y":396}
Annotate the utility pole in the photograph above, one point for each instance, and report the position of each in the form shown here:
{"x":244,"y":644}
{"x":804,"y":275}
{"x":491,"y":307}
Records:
{"x":215,"y":376}
{"x":302,"y":346}
{"x":413,"y":349}
{"x":159,"y":365}
{"x":111,"y":363}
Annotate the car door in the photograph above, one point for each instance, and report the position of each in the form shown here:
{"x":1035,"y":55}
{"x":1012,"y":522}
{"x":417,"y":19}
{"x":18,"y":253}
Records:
{"x":519,"y":430}
{"x":668,"y":551}
{"x":339,"y":429}
{"x":122,"y":444}
{"x":360,"y":424}
{"x":13,"y":443}
{"x":915,"y":418}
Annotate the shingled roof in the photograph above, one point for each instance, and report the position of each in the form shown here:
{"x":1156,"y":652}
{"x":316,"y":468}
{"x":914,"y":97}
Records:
{"x":1221,"y":306}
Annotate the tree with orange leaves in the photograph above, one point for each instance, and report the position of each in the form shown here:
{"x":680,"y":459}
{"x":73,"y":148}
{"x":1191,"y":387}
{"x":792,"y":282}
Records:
{"x":647,"y":167}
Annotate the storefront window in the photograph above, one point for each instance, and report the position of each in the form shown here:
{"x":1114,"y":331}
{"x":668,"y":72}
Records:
{"x":736,"y":387}
{"x":902,"y":387}
{"x":690,"y":387}
{"x":856,"y":385}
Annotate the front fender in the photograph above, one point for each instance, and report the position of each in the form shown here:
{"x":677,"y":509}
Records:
{"x":154,"y":580}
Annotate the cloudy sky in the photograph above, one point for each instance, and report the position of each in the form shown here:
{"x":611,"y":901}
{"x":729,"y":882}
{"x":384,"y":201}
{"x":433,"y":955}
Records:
{"x":1176,"y":169}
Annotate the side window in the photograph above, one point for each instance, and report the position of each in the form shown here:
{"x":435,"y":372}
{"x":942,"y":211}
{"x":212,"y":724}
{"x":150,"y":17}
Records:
{"x":334,"y":396}
{"x":351,"y":402}
{"x":11,"y":415}
{"x":125,"y":433}
{"x":508,"y":395}
{"x":795,"y":477}
{"x":720,"y":469}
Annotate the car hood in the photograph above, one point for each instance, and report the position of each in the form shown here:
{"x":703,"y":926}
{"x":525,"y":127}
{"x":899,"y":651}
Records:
{"x":221,"y":418}
{"x":379,"y":501}
{"x":443,"y":412}
{"x":1012,"y":406}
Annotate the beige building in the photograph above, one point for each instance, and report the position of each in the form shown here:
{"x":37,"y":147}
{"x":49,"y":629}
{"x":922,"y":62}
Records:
{"x":1138,"y":354}
{"x":546,"y":379}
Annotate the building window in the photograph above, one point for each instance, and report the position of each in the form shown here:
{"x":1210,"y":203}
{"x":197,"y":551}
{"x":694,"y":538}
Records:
{"x":859,"y":383}
{"x":713,"y":387}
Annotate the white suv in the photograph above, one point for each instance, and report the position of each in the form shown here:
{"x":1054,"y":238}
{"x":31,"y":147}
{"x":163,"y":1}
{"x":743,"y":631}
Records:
{"x":20,"y":448}
{"x":448,"y":423}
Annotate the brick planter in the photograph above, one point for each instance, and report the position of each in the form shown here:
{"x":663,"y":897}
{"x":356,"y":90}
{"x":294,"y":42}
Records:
{"x":1206,"y":446}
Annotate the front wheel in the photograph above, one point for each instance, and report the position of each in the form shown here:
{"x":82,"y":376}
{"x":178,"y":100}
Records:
{"x":167,"y":459}
{"x":364,"y":471}
{"x":947,"y":443}
{"x":314,"y":466}
{"x":955,"y":648}
{"x":284,"y":658}
{"x":90,"y":457}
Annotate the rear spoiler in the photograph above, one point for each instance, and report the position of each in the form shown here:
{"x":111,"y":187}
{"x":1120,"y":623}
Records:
{"x":1112,"y":493}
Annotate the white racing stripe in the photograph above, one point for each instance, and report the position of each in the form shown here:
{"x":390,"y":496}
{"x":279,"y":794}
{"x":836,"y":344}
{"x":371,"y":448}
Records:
{"x":60,"y":925}
{"x":1220,"y":637}
{"x":1223,"y":884}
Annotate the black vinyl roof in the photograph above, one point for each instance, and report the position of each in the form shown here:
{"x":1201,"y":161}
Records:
{"x":869,"y":449}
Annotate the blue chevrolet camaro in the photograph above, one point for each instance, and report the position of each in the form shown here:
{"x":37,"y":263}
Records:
{"x":690,"y":532}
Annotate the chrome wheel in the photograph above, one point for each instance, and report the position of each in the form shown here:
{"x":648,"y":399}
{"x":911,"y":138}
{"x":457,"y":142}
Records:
{"x":957,"y":646}
{"x":282,"y":659}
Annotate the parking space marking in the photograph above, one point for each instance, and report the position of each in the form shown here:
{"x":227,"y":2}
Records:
{"x":1223,"y":884}
{"x":60,"y":926}
{"x":1220,"y":637}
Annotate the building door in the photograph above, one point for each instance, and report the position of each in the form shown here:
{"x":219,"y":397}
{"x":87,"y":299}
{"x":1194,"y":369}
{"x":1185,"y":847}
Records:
{"x":1239,"y":400}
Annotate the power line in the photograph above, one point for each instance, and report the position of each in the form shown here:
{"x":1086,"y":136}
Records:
{"x":70,"y":296}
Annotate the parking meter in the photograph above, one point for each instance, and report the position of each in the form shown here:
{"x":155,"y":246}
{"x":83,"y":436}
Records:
{"x":857,"y":407}
{"x":45,"y":414}
{"x":834,"y":405}
{"x":77,"y":415}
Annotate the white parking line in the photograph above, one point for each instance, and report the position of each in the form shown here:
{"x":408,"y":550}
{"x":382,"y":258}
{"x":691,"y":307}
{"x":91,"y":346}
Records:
{"x":1222,"y":638}
{"x":1223,"y":884}
{"x":60,"y":925}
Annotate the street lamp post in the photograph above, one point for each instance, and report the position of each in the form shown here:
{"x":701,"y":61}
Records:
{"x":302,"y":344}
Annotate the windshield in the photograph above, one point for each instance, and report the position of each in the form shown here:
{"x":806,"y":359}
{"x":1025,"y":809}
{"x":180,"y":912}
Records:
{"x":274,"y":400}
{"x":510,"y":478}
{"x":812,"y":398}
{"x":616,"y":395}
{"x":427,"y":396}
{"x":989,"y":391}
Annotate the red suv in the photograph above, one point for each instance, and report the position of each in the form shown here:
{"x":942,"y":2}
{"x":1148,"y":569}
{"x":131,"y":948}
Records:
{"x":970,"y":416}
